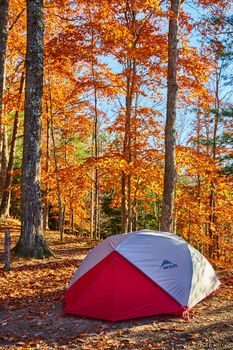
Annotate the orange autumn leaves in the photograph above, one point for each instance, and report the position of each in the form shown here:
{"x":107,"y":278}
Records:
{"x":93,"y":49}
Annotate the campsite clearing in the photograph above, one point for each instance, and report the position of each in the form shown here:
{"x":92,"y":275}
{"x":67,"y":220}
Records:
{"x":31,"y":310}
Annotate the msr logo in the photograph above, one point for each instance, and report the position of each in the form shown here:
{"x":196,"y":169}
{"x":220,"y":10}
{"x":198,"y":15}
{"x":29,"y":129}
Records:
{"x":168,"y":265}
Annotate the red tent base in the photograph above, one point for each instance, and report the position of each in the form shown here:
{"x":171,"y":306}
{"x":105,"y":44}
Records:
{"x":115,"y":290}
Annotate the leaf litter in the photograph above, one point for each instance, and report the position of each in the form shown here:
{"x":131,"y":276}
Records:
{"x":31,"y":310}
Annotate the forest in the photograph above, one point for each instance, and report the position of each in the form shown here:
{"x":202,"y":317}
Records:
{"x":115,"y":116}
{"x":111,"y":155}
{"x":101,"y":129}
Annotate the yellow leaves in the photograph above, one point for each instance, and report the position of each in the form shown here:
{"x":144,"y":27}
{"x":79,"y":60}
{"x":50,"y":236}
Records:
{"x":199,"y":180}
{"x":195,"y":70}
{"x":212,"y":227}
{"x":151,"y":3}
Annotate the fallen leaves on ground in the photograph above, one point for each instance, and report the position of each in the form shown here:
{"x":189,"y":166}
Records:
{"x":31,"y":310}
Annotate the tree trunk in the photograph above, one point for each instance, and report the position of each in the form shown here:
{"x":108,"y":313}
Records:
{"x":123,"y":204}
{"x":134,"y":156}
{"x":127,"y":140}
{"x":59,"y":197}
{"x":129,"y":211}
{"x":134,"y":216}
{"x":7,"y":259}
{"x":46,"y":201}
{"x":126,"y":202}
{"x":63,"y":219}
{"x":72,"y":221}
{"x":213,"y":235}
{"x":95,"y":153}
{"x":170,"y":129}
{"x":4,"y":6}
{"x":59,"y":200}
{"x":96,"y":211}
{"x":4,"y":154}
{"x":92,"y":205}
{"x":96,"y":173}
{"x":32,"y":242}
{"x":5,"y":202}
{"x":131,"y":64}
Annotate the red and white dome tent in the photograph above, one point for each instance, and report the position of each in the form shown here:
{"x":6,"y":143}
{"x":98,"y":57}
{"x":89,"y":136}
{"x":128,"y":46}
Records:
{"x":139,"y":274}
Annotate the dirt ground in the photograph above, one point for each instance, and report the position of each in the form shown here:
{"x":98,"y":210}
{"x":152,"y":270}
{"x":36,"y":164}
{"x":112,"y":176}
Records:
{"x":31,"y":310}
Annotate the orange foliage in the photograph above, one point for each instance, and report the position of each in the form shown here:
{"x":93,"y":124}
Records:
{"x":97,"y":53}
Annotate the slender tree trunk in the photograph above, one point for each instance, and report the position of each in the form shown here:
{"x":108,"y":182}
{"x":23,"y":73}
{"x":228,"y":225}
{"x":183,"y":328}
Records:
{"x":5,"y":202}
{"x":7,"y":259}
{"x":198,"y":142}
{"x":72,"y":221}
{"x":198,"y":150}
{"x":126,"y":196}
{"x":4,"y":154}
{"x":92,"y":205}
{"x":63,"y":218}
{"x":3,"y":141}
{"x":126,"y":202}
{"x":46,"y":202}
{"x":126,"y":179}
{"x":95,"y":194}
{"x":127,"y":142}
{"x":96,"y":211}
{"x":130,"y":209}
{"x":32,"y":242}
{"x":4,"y":6}
{"x":170,"y":129}
{"x":96,"y":173}
{"x":214,"y":243}
{"x":134,"y":156}
{"x":59,"y":200}
{"x":174,"y":221}
{"x":134,"y":216}
{"x":123,"y":204}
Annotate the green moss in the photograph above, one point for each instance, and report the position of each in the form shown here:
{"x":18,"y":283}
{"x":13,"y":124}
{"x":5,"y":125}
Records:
{"x":39,"y":252}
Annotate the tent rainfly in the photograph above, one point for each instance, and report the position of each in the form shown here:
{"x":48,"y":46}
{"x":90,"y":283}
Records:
{"x":138,"y":274}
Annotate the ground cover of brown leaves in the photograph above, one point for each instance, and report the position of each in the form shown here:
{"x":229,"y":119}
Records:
{"x":31,"y":310}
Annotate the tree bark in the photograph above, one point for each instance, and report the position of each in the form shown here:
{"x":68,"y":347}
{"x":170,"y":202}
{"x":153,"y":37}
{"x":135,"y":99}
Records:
{"x":170,"y":128}
{"x":46,"y":202}
{"x":126,"y":202}
{"x":96,"y":173}
{"x":72,"y":221}
{"x":4,"y":6}
{"x":95,"y":152}
{"x":123,"y":204}
{"x":4,"y":152}
{"x":7,"y":265}
{"x":32,"y":242}
{"x":5,"y":202}
{"x":213,"y":235}
{"x":59,"y":199}
{"x":92,"y":205}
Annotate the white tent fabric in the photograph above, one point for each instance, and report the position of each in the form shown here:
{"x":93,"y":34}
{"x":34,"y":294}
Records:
{"x":204,"y":278}
{"x":168,"y":260}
